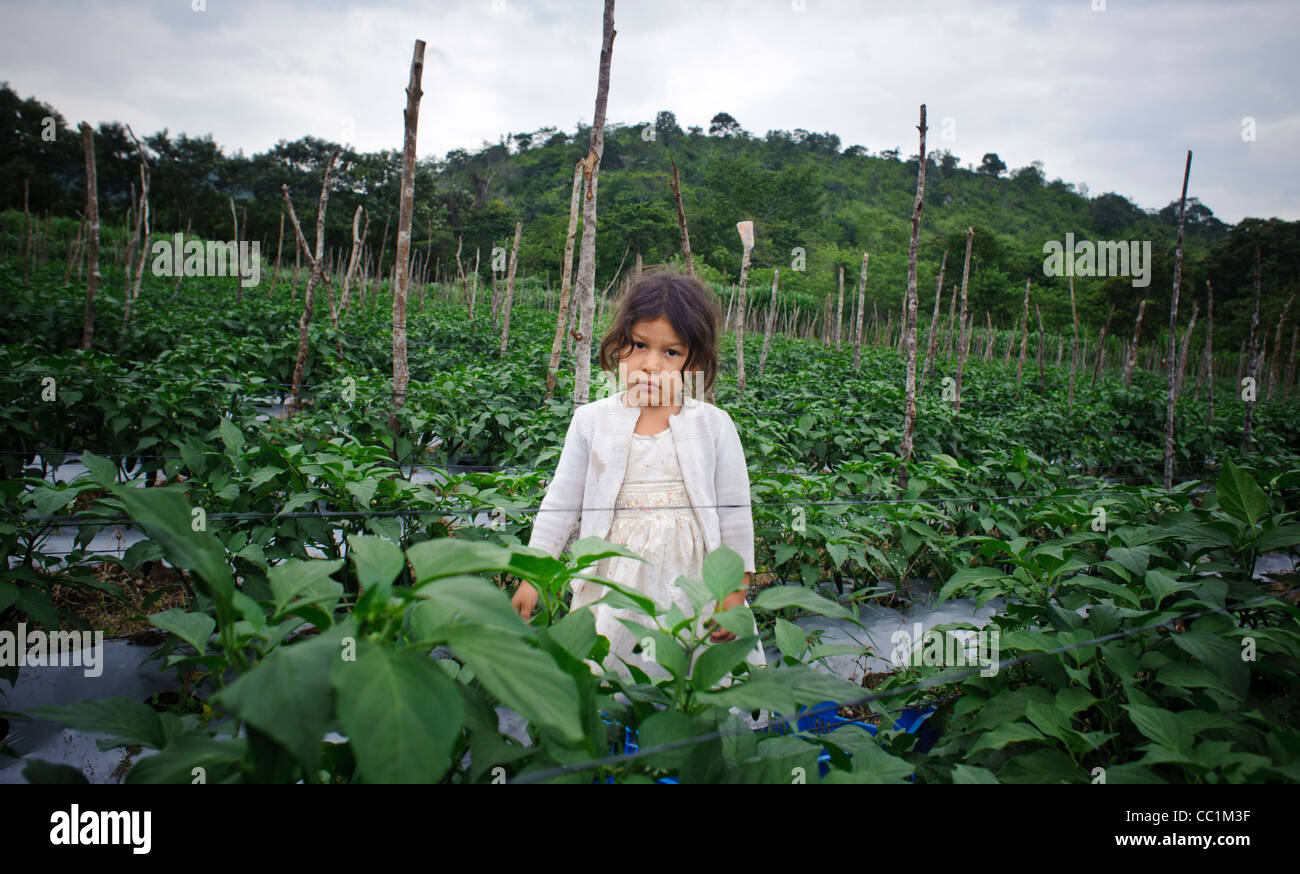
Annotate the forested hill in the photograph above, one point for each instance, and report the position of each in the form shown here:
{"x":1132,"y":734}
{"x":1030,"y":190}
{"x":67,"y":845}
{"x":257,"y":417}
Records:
{"x":803,"y":190}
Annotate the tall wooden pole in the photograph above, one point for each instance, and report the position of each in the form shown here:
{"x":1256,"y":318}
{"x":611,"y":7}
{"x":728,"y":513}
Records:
{"x":1171,"y":376}
{"x":510,"y":290}
{"x":909,"y":326}
{"x":676,"y":186}
{"x":965,"y":319}
{"x":1253,"y":372}
{"x":92,"y":217}
{"x":406,"y":203}
{"x":587,"y":254}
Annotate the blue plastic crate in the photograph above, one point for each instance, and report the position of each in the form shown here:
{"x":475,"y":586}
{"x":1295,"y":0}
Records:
{"x":824,"y":718}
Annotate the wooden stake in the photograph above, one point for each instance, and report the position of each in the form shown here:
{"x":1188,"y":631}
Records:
{"x":510,"y":290}
{"x":317,"y":265}
{"x":587,"y":253}
{"x":909,"y":319}
{"x":92,"y":217}
{"x":1172,"y":376}
{"x":862,"y":304}
{"x":411,"y":120}
{"x":964,"y":343}
{"x":934,"y":320}
{"x":1130,"y":360}
{"x":676,"y":185}
{"x":1250,"y":396}
{"x":771,"y":322}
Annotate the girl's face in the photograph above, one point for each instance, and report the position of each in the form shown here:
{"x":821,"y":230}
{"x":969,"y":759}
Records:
{"x":654,"y":364}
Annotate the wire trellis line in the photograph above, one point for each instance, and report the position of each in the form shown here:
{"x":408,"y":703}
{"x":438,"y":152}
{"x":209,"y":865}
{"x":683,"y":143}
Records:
{"x":88,"y":520}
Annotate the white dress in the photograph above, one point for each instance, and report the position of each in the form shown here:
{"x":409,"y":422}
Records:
{"x":654,"y":518}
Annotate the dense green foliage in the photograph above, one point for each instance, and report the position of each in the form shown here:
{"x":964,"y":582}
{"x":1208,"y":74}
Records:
{"x":334,"y":555}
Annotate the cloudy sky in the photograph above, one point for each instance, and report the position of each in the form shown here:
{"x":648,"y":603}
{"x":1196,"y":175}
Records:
{"x":1111,"y":97}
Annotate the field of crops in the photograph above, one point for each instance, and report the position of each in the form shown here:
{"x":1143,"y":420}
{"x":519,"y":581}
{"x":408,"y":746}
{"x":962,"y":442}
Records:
{"x":310,"y":563}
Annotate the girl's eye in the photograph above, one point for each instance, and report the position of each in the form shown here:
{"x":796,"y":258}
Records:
{"x":674,"y":352}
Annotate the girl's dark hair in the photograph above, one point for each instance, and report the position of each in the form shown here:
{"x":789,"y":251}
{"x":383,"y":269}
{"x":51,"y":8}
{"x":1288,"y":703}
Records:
{"x":689,"y":305}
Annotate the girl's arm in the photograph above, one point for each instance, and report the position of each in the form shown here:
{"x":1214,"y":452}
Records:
{"x":561,"y":506}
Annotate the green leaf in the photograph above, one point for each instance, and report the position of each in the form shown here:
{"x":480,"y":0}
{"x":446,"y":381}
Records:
{"x":165,"y":515}
{"x":39,"y":771}
{"x":976,"y":576}
{"x":306,"y":581}
{"x":1286,"y":537}
{"x":134,"y":723}
{"x":450,"y":557}
{"x":193,"y":628}
{"x":718,"y":659}
{"x":1015,"y":732}
{"x":1220,"y":656}
{"x":1161,"y":585}
{"x":724,"y":572}
{"x":525,"y":678}
{"x":231,"y":436}
{"x":102,"y":470}
{"x":1239,"y":495}
{"x":780,"y":597}
{"x":400,"y":711}
{"x":972,"y":774}
{"x":378,"y":562}
{"x":464,"y":600}
{"x":1134,"y":560}
{"x":221,"y":760}
{"x":1163,"y":727}
{"x":287,"y":695}
{"x":665,"y":727}
{"x":790,"y":638}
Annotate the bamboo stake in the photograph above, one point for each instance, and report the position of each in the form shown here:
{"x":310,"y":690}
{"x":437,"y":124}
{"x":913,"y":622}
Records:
{"x":746,"y":230}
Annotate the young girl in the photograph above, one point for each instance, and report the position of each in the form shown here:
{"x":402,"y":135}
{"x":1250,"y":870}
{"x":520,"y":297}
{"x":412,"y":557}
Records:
{"x":671,"y":467}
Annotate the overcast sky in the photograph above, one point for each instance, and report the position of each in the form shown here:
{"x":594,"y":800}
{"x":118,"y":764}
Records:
{"x":1112,"y":98}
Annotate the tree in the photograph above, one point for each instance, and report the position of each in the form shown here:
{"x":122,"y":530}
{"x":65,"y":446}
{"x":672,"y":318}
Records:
{"x":1031,"y":176}
{"x":724,"y":125}
{"x":992,"y":165}
{"x":667,"y":128}
{"x":948,"y":162}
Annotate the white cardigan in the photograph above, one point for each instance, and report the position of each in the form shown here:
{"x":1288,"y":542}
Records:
{"x":594,"y":459}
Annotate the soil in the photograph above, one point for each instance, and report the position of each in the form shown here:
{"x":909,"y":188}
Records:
{"x":861,"y":712}
{"x":108,"y":614}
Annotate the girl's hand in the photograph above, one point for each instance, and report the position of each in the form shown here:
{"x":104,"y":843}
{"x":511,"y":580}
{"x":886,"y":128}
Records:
{"x":524,"y":600}
{"x":722,"y":635}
